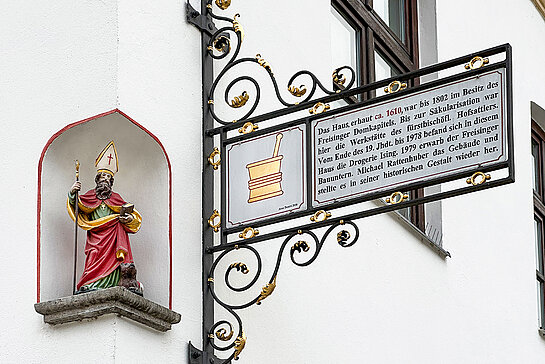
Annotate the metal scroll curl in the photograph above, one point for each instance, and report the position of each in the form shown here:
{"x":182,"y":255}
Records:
{"x":303,"y":85}
{"x":302,"y":243}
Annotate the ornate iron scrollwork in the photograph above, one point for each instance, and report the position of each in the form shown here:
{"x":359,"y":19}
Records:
{"x":225,"y":44}
{"x":312,"y":244}
{"x":220,"y":46}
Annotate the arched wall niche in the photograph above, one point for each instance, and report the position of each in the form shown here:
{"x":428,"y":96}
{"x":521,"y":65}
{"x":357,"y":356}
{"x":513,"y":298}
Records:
{"x":144,"y":178}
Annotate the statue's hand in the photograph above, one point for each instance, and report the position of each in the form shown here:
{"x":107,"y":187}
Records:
{"x":125,"y":219}
{"x":75,"y":187}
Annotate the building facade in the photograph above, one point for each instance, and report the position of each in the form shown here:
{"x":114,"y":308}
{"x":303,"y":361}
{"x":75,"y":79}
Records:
{"x":455,"y":281}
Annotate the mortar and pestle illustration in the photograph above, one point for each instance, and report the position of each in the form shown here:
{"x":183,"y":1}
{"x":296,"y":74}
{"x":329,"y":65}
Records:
{"x":265,"y":176}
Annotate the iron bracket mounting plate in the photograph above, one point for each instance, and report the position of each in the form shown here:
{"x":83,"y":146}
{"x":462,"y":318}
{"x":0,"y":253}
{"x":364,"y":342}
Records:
{"x":202,"y":22}
{"x":197,"y":356}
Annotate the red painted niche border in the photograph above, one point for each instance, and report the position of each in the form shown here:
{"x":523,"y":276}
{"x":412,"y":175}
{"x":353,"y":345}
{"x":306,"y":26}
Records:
{"x":39,"y":204}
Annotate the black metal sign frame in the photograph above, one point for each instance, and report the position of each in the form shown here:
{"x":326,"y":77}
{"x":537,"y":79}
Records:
{"x":307,"y":122}
{"x":303,"y":240}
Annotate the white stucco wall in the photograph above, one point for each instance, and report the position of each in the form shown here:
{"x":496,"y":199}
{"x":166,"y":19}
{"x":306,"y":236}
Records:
{"x":387,"y":299}
{"x":63,"y":65}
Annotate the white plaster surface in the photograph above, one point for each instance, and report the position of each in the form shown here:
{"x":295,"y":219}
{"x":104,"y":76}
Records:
{"x":388,"y":299}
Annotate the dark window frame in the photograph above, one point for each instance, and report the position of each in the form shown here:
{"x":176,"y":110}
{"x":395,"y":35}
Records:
{"x":375,"y":35}
{"x":538,"y":136}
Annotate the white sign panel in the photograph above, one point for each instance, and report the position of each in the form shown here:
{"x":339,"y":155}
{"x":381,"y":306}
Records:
{"x":266,"y":176}
{"x":434,"y":133}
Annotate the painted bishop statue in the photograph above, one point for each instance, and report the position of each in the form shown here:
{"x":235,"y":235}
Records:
{"x":108,"y":220}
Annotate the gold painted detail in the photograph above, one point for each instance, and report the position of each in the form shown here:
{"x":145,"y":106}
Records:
{"x":476,"y":62}
{"x":396,"y":197}
{"x":337,"y":80}
{"x":263,"y":63}
{"x":120,"y":255}
{"x":395,"y":86}
{"x":240,"y":342}
{"x":238,"y":27}
{"x":248,"y":233}
{"x":248,"y":128}
{"x":222,"y":334}
{"x":297,"y":91}
{"x":241,"y":267}
{"x":343,"y":236}
{"x":212,"y":156}
{"x":241,"y":100}
{"x":209,"y":6}
{"x":266,"y":291}
{"x":319,"y":108}
{"x":223,"y":4}
{"x":210,"y":279}
{"x":77,"y":169}
{"x":321,"y":215}
{"x":210,"y":336}
{"x":301,"y":245}
{"x":222,"y":44}
{"x":210,"y":102}
{"x":211,"y":219}
{"x":478,"y":178}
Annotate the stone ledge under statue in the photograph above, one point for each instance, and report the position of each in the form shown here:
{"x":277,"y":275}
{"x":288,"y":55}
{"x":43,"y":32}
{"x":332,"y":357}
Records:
{"x":115,"y":300}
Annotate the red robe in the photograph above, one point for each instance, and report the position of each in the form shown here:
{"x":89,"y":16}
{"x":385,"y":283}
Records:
{"x":105,"y":236}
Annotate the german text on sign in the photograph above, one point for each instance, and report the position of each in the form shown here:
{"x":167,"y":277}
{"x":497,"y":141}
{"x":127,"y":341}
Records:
{"x":434,"y":133}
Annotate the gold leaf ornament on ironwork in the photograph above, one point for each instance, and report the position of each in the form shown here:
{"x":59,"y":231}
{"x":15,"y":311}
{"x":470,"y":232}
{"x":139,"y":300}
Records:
{"x":478,"y":178}
{"x":248,"y":233}
{"x":240,"y":342}
{"x":319,"y":216}
{"x":223,"y":4}
{"x":238,"y":27}
{"x":212,"y":158}
{"x":297,"y":91}
{"x":319,"y":108}
{"x":343,"y":236}
{"x":222,"y":44}
{"x":248,"y":127}
{"x":476,"y":62}
{"x":397,"y":197}
{"x":240,"y":101}
{"x":301,"y":245}
{"x":263,"y":63}
{"x":337,"y":80}
{"x":266,"y":291}
{"x":222,"y":334}
{"x":241,"y":267}
{"x":215,"y":226}
{"x":395,"y":86}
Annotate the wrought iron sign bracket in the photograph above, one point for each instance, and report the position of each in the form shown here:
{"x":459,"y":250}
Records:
{"x":197,"y":356}
{"x":302,"y":243}
{"x":203,"y":22}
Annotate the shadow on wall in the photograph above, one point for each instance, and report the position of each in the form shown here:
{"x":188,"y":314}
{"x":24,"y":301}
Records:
{"x":143,"y":179}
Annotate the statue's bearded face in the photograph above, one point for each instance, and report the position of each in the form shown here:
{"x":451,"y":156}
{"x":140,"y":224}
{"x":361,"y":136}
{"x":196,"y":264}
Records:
{"x":104,"y":182}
